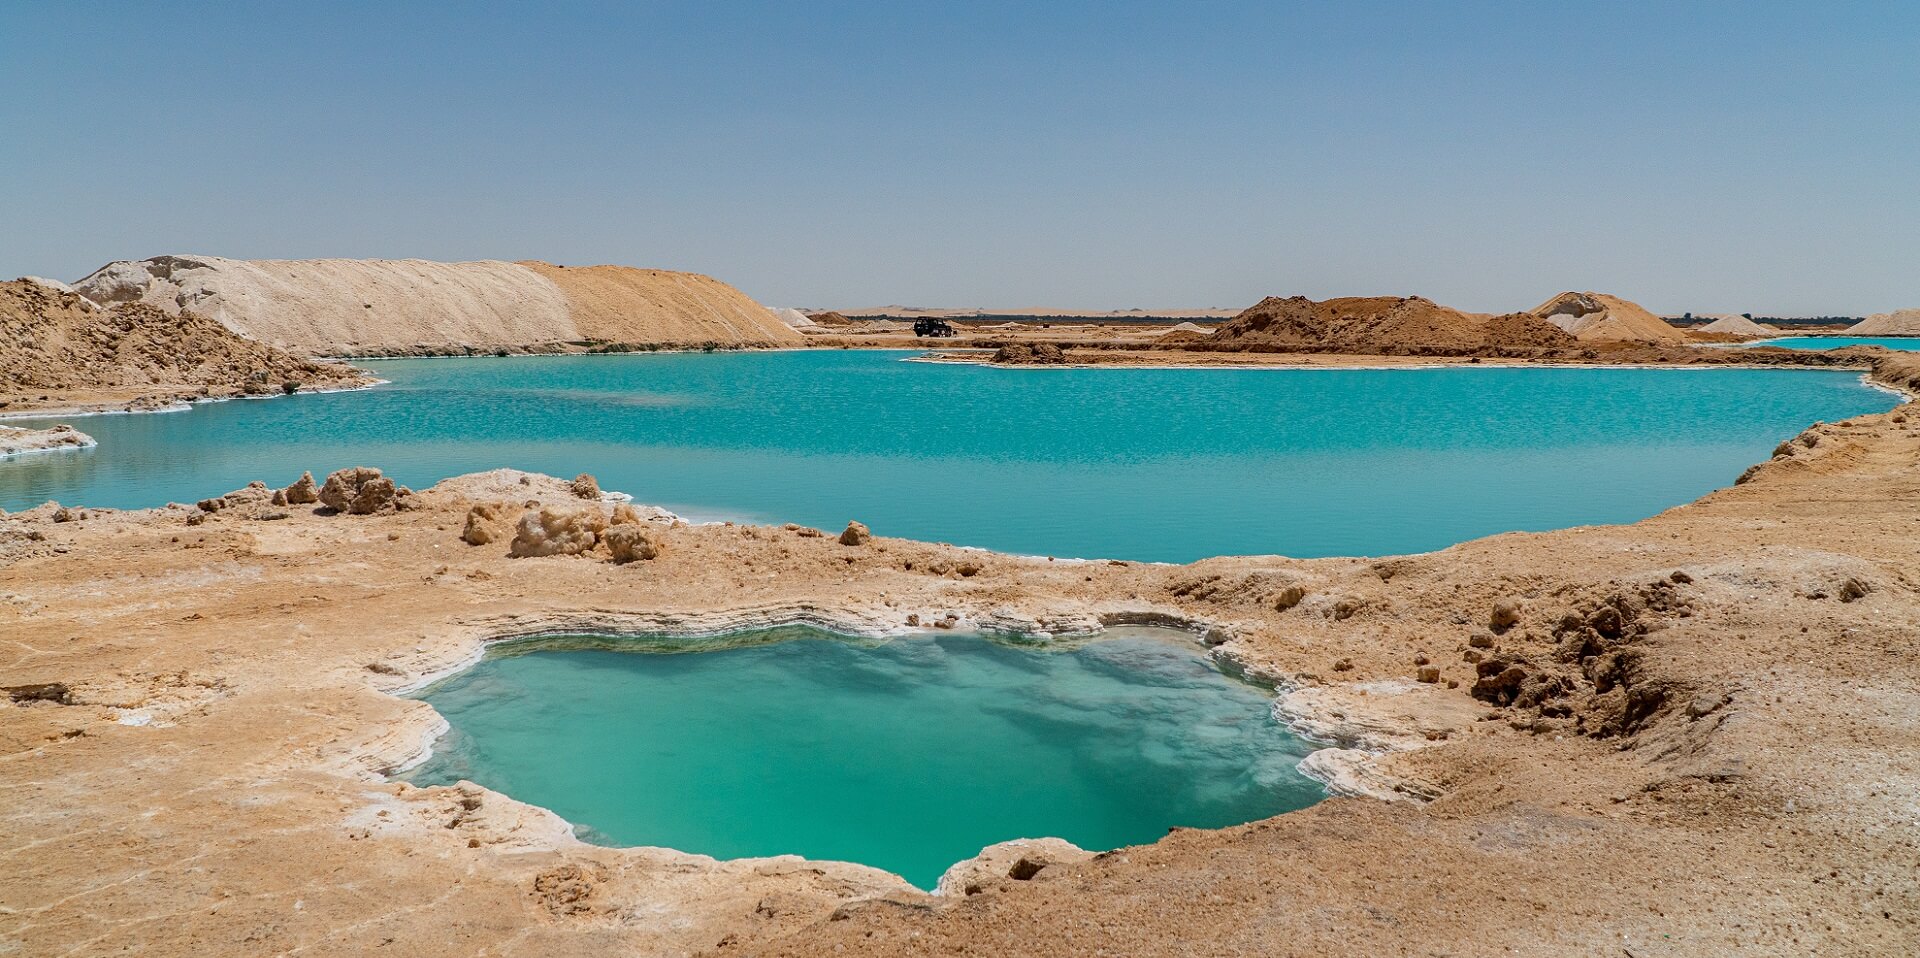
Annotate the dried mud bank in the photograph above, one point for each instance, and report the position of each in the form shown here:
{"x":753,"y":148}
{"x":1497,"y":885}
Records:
{"x":1690,"y":735}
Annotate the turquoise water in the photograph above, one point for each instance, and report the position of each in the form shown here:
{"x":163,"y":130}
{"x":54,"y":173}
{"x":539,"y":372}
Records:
{"x":907,"y":755}
{"x":1161,"y":464}
{"x":1835,"y":342}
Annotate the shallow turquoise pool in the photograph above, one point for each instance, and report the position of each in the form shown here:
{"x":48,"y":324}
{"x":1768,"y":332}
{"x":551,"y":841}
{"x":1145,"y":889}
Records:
{"x":1835,"y":342}
{"x":1160,"y":464}
{"x":907,"y":755}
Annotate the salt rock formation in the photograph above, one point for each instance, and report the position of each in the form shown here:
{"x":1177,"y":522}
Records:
{"x":1598,"y":317}
{"x":486,"y":522}
{"x":1019,"y":860}
{"x":302,"y":492}
{"x":254,"y":493}
{"x":55,"y":339}
{"x":553,"y":531}
{"x":1900,"y":322}
{"x":1738,"y":326}
{"x":15,"y":441}
{"x":360,"y":491}
{"x":1377,"y":324}
{"x":585,"y":486}
{"x":631,"y":542}
{"x":856,"y":534}
{"x":342,"y":306}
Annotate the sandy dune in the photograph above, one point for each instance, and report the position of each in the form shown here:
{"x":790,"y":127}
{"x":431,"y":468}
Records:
{"x":1900,"y":322}
{"x":1598,"y":317}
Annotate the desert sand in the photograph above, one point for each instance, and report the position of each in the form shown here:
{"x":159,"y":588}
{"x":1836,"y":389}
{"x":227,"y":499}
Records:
{"x":1688,"y":736}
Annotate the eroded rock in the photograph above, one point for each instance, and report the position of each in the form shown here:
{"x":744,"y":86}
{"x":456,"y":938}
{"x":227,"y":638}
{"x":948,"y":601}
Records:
{"x":554,"y":531}
{"x":343,"y":487}
{"x":856,"y":534}
{"x":630,"y":542}
{"x":486,"y":522}
{"x":304,"y":491}
{"x":1022,"y":859}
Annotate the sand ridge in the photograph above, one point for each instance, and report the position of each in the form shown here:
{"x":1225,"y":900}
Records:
{"x":627,"y":305}
{"x":364,"y":307}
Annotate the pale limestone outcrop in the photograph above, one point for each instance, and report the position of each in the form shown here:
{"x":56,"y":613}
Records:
{"x":1021,"y":859}
{"x":15,"y":441}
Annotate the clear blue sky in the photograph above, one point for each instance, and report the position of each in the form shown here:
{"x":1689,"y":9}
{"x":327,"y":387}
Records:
{"x":1746,"y":156}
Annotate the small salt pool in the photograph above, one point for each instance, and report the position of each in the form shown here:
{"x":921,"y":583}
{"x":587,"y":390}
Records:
{"x":907,"y":755}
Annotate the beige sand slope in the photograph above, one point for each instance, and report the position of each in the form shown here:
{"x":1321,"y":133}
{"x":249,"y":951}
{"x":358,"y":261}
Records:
{"x":628,"y":305}
{"x":1737,"y":326}
{"x":1594,"y":316}
{"x":346,"y":306}
{"x":1900,"y":322}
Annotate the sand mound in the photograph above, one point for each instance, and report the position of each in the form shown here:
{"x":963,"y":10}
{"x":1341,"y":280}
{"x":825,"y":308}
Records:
{"x":1187,"y":328}
{"x":830,"y":318}
{"x":1900,"y":322}
{"x":792,"y":317}
{"x":1593,"y":317}
{"x":1737,"y":326}
{"x":626,"y":305}
{"x":346,"y":306}
{"x":54,"y":339}
{"x":1372,"y":324}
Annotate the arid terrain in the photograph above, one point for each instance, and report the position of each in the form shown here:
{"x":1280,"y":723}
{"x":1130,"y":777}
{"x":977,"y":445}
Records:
{"x":59,"y":351}
{"x":1692,"y":735}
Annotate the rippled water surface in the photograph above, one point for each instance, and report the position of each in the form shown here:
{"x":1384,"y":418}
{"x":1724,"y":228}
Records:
{"x":1163,"y":464}
{"x":907,"y":755}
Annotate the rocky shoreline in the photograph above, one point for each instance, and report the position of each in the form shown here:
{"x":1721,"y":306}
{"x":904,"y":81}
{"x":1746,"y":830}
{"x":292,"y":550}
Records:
{"x":1574,"y":724}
